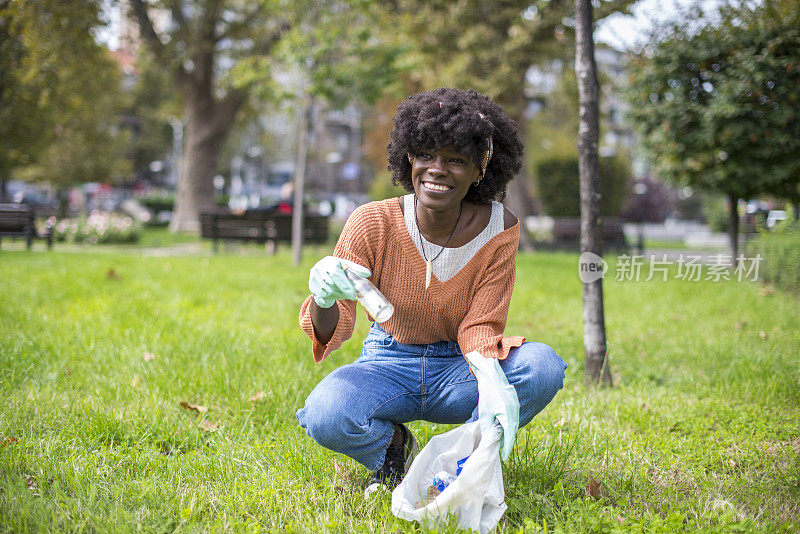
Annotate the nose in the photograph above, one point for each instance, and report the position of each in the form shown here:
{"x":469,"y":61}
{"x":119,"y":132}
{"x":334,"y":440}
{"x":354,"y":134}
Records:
{"x":437,"y":166}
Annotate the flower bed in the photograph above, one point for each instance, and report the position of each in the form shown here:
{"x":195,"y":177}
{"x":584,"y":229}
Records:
{"x":98,"y":227}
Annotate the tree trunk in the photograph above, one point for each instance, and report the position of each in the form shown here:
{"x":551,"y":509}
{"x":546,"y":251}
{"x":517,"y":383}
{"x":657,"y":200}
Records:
{"x":518,"y":197}
{"x":3,"y":188}
{"x":63,"y":202}
{"x":207,"y":118}
{"x":517,"y":201}
{"x":208,"y":122}
{"x":299,"y":182}
{"x":594,"y":329}
{"x":796,"y":209}
{"x":733,"y":226}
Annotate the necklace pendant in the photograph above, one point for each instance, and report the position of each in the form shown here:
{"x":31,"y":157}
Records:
{"x":428,"y":269}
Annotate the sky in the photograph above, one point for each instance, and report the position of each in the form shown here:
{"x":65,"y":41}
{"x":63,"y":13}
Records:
{"x":629,"y":32}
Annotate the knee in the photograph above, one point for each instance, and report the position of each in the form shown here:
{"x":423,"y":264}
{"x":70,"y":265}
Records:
{"x":542,"y":368}
{"x":323,"y":420}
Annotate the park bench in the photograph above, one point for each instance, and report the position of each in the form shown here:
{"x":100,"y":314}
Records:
{"x":19,"y":220}
{"x":260,"y":226}
{"x":567,"y":235}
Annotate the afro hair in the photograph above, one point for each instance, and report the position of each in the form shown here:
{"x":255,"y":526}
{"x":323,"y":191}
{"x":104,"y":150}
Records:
{"x":462,"y":120}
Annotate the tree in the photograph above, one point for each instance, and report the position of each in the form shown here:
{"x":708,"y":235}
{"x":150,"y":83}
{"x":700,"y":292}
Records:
{"x":594,"y":328}
{"x":489,"y":46}
{"x":223,"y":52}
{"x":718,"y":108}
{"x":203,"y":45}
{"x":340,"y":59}
{"x":59,"y":95}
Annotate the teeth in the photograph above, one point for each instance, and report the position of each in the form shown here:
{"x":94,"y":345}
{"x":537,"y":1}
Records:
{"x":436,"y":187}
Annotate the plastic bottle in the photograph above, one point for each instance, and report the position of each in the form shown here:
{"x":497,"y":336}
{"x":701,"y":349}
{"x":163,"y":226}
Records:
{"x":368,"y":295}
{"x":443,"y":479}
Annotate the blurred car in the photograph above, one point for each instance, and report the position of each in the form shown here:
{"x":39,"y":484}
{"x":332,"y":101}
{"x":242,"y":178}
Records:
{"x":25,"y":193}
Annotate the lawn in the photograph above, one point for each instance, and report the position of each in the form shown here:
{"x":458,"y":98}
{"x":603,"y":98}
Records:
{"x":98,"y":351}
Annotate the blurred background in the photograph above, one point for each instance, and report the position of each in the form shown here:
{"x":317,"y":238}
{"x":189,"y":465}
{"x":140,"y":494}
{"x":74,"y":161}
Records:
{"x":155,"y":111}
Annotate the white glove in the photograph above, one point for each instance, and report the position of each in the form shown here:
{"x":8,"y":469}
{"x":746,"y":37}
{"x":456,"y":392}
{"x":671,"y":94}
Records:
{"x":497,"y":399}
{"x":328,"y":282}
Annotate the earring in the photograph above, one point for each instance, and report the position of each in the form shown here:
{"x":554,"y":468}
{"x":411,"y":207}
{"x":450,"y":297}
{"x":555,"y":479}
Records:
{"x":411,"y":159}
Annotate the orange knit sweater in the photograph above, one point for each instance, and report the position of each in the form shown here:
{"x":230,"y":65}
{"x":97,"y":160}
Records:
{"x":470,"y":308}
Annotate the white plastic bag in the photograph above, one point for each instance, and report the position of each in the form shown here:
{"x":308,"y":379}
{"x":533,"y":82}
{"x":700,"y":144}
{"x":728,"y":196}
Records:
{"x":476,"y":497}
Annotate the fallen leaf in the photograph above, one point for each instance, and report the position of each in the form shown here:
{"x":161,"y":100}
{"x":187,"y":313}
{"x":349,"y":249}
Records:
{"x":148,"y":356}
{"x":766,"y":291}
{"x":762,"y":335}
{"x":740,"y":325}
{"x":595,"y":488}
{"x":136,"y":381}
{"x":32,"y":483}
{"x":208,"y":426}
{"x":258,"y":397}
{"x":194,"y":407}
{"x":112,"y":275}
{"x":8,"y":441}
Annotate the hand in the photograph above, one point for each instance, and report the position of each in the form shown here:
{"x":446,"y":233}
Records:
{"x":497,"y":399}
{"x":328,"y":282}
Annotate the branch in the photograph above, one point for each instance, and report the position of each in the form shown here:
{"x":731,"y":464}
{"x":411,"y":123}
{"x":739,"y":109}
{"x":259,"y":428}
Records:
{"x":146,"y":26}
{"x":226,"y":109}
{"x":148,"y":31}
{"x":177,"y":15}
{"x":234,"y":27}
{"x":272,"y":39}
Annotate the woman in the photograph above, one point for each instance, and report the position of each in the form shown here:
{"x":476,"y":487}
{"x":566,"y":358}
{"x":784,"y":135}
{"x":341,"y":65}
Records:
{"x":444,"y":256}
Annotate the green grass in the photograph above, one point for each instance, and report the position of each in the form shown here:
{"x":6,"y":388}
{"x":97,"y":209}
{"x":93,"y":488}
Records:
{"x":699,"y":433}
{"x":157,"y":236}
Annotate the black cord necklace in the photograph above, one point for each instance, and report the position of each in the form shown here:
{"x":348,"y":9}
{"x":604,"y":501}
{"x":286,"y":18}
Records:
{"x":429,"y":262}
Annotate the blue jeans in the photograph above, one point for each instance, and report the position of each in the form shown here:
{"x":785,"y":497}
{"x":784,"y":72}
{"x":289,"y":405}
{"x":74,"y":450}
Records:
{"x":352,"y":410}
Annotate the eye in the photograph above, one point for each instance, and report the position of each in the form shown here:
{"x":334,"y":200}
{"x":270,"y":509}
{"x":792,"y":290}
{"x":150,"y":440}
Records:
{"x":424,"y":155}
{"x":460,"y":161}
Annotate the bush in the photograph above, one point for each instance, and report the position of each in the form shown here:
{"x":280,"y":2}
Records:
{"x":559,"y":186}
{"x":156,"y":203}
{"x":715,"y":211}
{"x":98,"y":227}
{"x":381,"y":187}
{"x":780,"y":255}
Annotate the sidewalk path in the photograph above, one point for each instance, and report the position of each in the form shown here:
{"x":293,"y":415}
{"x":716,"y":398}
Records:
{"x":704,"y":257}
{"x":183,"y":249}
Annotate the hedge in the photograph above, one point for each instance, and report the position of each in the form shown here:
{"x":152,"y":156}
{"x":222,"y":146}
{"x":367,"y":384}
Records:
{"x":559,"y":188}
{"x":780,"y":255}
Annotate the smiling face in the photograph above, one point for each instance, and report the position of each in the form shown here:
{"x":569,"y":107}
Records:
{"x":442,"y":178}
